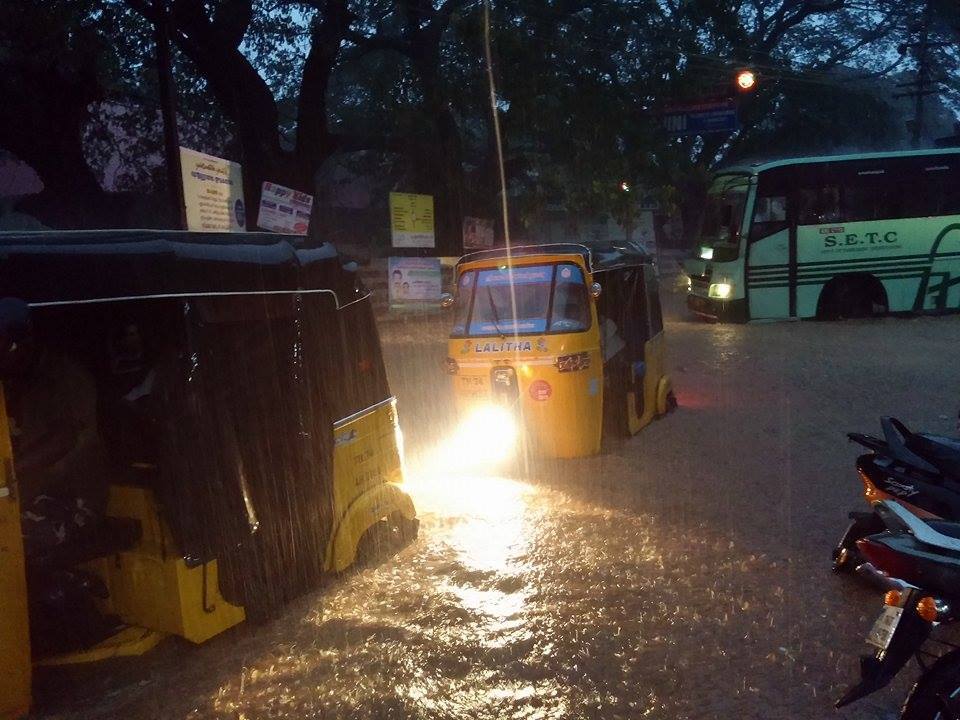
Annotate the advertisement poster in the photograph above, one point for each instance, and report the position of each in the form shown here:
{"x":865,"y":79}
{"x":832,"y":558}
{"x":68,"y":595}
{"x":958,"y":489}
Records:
{"x":284,"y":210}
{"x":411,"y":220}
{"x":212,"y":193}
{"x":477,"y":233}
{"x":414,"y":280}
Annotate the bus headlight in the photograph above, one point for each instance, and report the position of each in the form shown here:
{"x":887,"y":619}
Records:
{"x":720,"y":291}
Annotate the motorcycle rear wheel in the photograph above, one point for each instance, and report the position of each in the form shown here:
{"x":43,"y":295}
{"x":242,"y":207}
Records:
{"x":936,"y":695}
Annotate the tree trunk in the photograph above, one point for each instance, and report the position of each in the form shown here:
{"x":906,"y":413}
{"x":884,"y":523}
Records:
{"x":444,"y":163}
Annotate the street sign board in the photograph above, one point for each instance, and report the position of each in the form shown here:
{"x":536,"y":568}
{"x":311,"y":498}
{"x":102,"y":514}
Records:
{"x":411,"y":220}
{"x":212,"y":193}
{"x":283,"y":209}
{"x":413,"y":280}
{"x":701,"y":118}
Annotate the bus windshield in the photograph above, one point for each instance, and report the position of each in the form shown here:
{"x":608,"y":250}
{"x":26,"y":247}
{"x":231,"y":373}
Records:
{"x":549,"y":298}
{"x":723,"y":217}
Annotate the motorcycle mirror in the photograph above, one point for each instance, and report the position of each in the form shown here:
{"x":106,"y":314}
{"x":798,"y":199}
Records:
{"x":446,"y":300}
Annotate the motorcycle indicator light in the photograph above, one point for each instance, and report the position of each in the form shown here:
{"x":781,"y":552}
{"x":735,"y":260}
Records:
{"x":892,"y":598}
{"x":870,"y":491}
{"x":929,"y":609}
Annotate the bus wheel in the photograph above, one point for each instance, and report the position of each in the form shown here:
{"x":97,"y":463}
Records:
{"x":852,"y":296}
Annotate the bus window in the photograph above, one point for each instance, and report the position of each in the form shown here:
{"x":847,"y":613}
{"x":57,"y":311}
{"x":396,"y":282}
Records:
{"x":934,"y":190}
{"x":769,"y":216}
{"x":819,"y":205}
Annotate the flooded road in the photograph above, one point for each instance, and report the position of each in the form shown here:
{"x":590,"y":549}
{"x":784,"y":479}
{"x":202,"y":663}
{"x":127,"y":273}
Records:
{"x":684,"y":573}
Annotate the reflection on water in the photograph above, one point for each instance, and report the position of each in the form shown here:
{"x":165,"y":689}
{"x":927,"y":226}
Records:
{"x":489,"y":540}
{"x":516,"y":602}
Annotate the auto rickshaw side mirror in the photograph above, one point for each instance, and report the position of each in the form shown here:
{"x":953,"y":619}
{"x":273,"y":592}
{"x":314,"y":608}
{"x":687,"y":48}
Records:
{"x":595,"y":290}
{"x":446,"y":300}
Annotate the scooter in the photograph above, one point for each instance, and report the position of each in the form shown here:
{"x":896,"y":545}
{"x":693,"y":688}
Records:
{"x":927,"y":555}
{"x":920,"y":470}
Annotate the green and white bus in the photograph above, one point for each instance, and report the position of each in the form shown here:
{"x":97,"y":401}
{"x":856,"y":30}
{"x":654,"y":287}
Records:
{"x":839,"y":236}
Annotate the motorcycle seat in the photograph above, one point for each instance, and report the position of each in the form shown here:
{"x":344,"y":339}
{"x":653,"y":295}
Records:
{"x":941,"y":452}
{"x":946,"y":527}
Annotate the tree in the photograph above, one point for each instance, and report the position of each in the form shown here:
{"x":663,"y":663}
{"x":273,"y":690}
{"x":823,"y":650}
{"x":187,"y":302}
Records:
{"x":53,"y":69}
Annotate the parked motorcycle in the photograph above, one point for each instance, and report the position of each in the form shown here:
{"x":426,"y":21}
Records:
{"x":920,"y":470}
{"x":921,"y":563}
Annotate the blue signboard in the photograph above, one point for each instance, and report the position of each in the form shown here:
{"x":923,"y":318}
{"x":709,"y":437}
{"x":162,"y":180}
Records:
{"x":701,"y":119}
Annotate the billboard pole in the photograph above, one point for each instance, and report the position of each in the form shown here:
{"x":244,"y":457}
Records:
{"x":168,"y":109}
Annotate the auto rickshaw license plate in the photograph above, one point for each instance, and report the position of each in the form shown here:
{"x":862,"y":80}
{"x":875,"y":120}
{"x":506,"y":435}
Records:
{"x":884,"y":627}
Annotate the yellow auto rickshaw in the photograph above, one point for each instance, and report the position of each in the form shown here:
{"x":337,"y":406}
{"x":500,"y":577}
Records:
{"x":247,"y":437}
{"x":567,"y":337}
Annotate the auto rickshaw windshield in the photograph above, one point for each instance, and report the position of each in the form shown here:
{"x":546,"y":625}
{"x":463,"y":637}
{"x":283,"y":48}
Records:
{"x":549,"y":298}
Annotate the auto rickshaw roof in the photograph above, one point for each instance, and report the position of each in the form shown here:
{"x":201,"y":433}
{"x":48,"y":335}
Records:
{"x":599,"y":256}
{"x":67,"y":267}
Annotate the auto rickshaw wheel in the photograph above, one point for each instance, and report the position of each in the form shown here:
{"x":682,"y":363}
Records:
{"x":666,"y":400}
{"x":385,"y":538}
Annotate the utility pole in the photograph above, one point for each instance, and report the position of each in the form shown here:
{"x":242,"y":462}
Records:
{"x":923,"y":75}
{"x":924,"y":84}
{"x":168,"y":109}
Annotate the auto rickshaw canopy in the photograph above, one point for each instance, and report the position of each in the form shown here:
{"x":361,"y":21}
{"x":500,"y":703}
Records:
{"x":57,"y":268}
{"x":598,"y":256}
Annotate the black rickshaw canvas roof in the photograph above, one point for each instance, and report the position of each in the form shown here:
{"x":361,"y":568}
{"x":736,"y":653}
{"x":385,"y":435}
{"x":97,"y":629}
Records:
{"x":70,"y":267}
{"x":598,"y":255}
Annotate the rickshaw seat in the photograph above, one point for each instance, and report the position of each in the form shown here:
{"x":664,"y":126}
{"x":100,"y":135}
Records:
{"x":110,"y":536}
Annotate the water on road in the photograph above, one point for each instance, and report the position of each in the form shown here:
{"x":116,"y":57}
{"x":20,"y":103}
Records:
{"x":683,"y":573}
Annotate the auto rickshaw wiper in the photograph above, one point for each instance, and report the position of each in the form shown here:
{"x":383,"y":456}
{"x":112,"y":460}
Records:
{"x":496,"y":315}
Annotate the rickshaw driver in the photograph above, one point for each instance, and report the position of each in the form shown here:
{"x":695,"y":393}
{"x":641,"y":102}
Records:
{"x":57,"y":455}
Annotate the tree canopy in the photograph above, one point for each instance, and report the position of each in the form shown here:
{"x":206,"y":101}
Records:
{"x":284,"y":86}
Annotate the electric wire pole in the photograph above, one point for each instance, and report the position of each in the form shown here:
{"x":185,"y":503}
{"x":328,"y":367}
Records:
{"x":924,"y":84}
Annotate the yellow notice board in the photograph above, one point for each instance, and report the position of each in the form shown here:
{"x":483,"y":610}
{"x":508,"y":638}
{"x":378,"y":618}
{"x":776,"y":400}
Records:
{"x":411,"y":220}
{"x":212,"y":193}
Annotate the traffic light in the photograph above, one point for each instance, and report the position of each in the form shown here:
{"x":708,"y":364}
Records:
{"x":746,"y":80}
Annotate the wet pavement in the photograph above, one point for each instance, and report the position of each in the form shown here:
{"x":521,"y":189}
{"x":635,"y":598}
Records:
{"x":684,"y":573}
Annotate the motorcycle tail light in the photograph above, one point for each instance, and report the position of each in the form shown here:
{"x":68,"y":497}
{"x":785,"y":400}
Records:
{"x":572,"y":363}
{"x":451,"y":366}
{"x":886,"y":560}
